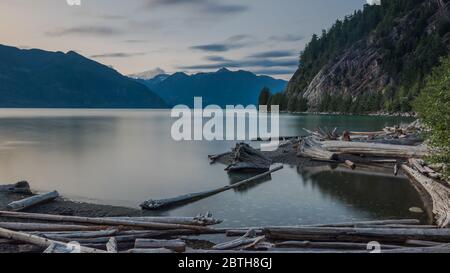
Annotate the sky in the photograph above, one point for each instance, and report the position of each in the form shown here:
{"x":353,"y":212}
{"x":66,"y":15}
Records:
{"x":262,"y":36}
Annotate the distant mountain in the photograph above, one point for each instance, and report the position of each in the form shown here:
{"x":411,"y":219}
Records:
{"x":149,"y":74}
{"x":38,"y":78}
{"x":222,"y":88}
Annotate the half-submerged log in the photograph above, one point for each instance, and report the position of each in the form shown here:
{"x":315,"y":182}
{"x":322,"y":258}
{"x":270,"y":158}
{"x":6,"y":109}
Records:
{"x":41,"y":242}
{"x":375,"y":149}
{"x":32,"y":201}
{"x":175,"y":245}
{"x":100,"y":221}
{"x":188,"y":198}
{"x":312,"y":149}
{"x":433,"y":191}
{"x":21,"y":187}
{"x":246,"y":158}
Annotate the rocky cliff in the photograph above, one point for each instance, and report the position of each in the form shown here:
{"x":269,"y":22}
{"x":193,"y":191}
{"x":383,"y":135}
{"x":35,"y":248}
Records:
{"x":395,"y":50}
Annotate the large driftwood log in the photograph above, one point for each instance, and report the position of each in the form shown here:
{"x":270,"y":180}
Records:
{"x":100,"y":221}
{"x":150,"y":251}
{"x":47,"y":227}
{"x":80,"y":234}
{"x":200,"y":220}
{"x":438,"y":194}
{"x":184,"y":199}
{"x":39,"y":241}
{"x":311,"y":149}
{"x":328,"y":245}
{"x":358,"y":234}
{"x":375,"y":149}
{"x":20,"y":187}
{"x":246,"y":158}
{"x":32,"y":201}
{"x":175,"y":245}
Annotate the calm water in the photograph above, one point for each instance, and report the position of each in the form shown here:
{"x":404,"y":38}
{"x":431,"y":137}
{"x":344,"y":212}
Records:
{"x":122,"y":157}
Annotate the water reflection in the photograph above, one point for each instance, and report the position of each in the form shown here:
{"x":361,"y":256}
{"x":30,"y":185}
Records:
{"x":122,"y":157}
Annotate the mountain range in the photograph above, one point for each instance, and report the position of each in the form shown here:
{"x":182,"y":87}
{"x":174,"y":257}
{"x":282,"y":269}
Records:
{"x":43,"y":79}
{"x":223,"y":87}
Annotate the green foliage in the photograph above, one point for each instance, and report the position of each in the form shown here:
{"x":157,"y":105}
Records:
{"x":433,"y":107}
{"x":407,"y":58}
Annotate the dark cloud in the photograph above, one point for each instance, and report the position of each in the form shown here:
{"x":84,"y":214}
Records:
{"x":287,"y":38}
{"x":274,"y":54}
{"x":207,"y":6}
{"x":118,"y":55}
{"x":85,"y":30}
{"x":234,"y":42}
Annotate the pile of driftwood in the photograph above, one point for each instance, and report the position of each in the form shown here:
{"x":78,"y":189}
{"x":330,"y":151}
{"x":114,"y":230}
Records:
{"x":379,"y":148}
{"x":72,"y":234}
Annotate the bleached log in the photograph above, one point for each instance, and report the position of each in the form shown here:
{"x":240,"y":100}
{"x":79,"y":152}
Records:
{"x":201,"y":220}
{"x":47,"y":227}
{"x":39,"y":241}
{"x":99,"y":221}
{"x":311,"y":149}
{"x":21,"y":187}
{"x":248,"y":238}
{"x":32,"y":201}
{"x":175,"y":245}
{"x":358,"y":234}
{"x":436,"y":193}
{"x":375,"y":149}
{"x":150,"y":251}
{"x":111,"y":246}
{"x":80,"y":234}
{"x":421,"y":243}
{"x":444,"y":248}
{"x":163,"y":203}
{"x":328,"y":245}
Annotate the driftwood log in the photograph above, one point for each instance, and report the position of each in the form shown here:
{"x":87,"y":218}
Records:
{"x":246,"y":158}
{"x":375,"y":149}
{"x":100,"y":221}
{"x":312,"y":149}
{"x":329,"y":245}
{"x":174,"y":245}
{"x":188,"y":198}
{"x":32,"y":201}
{"x":200,"y":220}
{"x":41,"y":242}
{"x":47,"y":227}
{"x":433,"y":191}
{"x":20,"y":187}
{"x":358,"y":234}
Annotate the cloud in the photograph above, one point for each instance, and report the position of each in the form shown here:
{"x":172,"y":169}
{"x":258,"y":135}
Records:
{"x":205,"y":6}
{"x":135,"y":41}
{"x":149,"y":74}
{"x":246,"y":62}
{"x":85,"y":30}
{"x":274,"y":71}
{"x":118,"y":55}
{"x":234,"y":42}
{"x":286,"y":38}
{"x":274,"y":54}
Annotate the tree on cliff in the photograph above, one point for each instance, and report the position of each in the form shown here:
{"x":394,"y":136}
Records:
{"x":433,"y":107}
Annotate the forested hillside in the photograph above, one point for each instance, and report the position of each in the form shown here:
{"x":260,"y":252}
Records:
{"x":374,"y":60}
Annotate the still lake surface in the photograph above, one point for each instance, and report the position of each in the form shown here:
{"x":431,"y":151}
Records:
{"x":123,"y":157}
